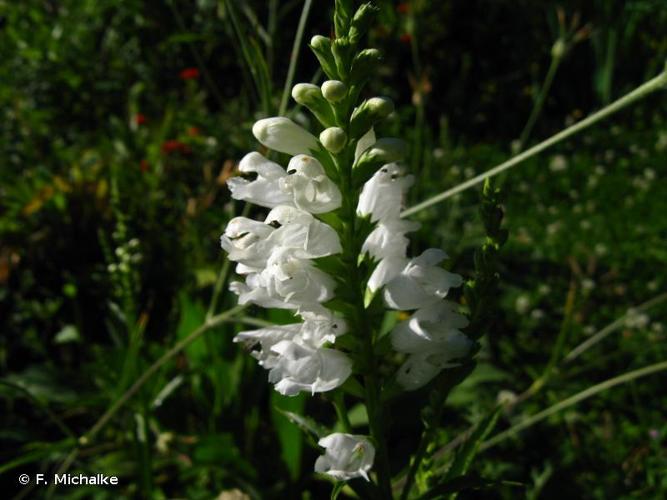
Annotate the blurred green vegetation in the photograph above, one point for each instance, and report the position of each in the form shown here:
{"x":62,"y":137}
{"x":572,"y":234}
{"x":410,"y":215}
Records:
{"x":120,"y":122}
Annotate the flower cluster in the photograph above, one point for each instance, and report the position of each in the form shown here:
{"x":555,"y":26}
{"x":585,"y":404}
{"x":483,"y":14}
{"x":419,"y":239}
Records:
{"x":339,"y":201}
{"x":431,"y":336}
{"x":275,"y":256}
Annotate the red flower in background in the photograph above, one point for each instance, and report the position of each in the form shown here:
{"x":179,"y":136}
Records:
{"x":403,"y":8}
{"x":405,"y":38}
{"x":189,"y":74}
{"x":140,"y":119}
{"x":144,"y":166}
{"x":175,"y":146}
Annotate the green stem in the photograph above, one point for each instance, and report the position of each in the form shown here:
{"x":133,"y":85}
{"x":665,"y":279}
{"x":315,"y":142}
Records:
{"x":341,"y":411}
{"x":294,"y":57}
{"x":657,"y":83}
{"x":539,"y":101}
{"x":612,"y":327}
{"x":572,"y":400}
{"x":359,"y":323}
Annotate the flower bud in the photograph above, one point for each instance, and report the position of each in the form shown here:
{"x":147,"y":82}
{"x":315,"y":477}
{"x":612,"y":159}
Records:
{"x":321,"y":47}
{"x":361,"y":21}
{"x":310,"y":96}
{"x":364,"y":65}
{"x":334,"y":90}
{"x":368,"y":114}
{"x":558,"y":49}
{"x":283,"y":135}
{"x":385,"y":150}
{"x":342,"y":51}
{"x":333,"y":139}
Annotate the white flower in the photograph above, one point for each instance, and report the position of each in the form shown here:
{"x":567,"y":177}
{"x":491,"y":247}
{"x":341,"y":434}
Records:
{"x":300,"y":231}
{"x":304,"y":185}
{"x":418,"y":283}
{"x":245,"y":240}
{"x":388,"y":239}
{"x":346,"y":456}
{"x":287,"y":282}
{"x":382,"y":195}
{"x":264,"y":190}
{"x":319,"y":327}
{"x":308,"y":187}
{"x":432,"y":338}
{"x":283,"y":135}
{"x":300,"y":368}
{"x":250,"y":243}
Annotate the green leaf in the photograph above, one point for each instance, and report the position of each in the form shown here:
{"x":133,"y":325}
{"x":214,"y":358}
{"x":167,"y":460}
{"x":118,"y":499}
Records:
{"x":465,"y":482}
{"x":285,"y":412}
{"x":337,"y":489}
{"x":467,"y":453}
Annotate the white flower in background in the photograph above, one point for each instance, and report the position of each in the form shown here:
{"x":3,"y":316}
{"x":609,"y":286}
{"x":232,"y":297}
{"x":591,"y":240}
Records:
{"x":413,"y":283}
{"x":283,"y":135}
{"x":265,"y":189}
{"x":382,"y":195}
{"x":287,"y":282}
{"x":346,"y":456}
{"x":308,"y":186}
{"x":432,"y":338}
{"x":300,"y":368}
{"x":388,"y":239}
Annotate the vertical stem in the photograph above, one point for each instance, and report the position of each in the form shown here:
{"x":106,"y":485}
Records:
{"x":359,"y":322}
{"x":294,"y":57}
{"x":539,"y":102}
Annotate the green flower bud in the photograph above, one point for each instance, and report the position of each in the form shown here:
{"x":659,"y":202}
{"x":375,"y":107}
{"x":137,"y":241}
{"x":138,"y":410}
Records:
{"x":385,"y":150}
{"x":559,"y":49}
{"x":334,"y":90}
{"x":368,"y":114}
{"x":321,"y":47}
{"x":364,"y":65}
{"x":342,"y":51}
{"x":310,"y":96}
{"x":342,"y":16}
{"x":333,"y":139}
{"x":361,"y":21}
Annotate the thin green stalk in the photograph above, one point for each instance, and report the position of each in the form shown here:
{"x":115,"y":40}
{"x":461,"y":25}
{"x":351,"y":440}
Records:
{"x":294,"y":57}
{"x":647,"y":88}
{"x":539,"y":101}
{"x":612,"y":327}
{"x":341,"y":411}
{"x":572,"y":400}
{"x":89,"y":436}
{"x":563,"y":334}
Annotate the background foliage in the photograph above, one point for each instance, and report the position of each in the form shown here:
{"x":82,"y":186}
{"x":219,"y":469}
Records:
{"x":121,"y":121}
